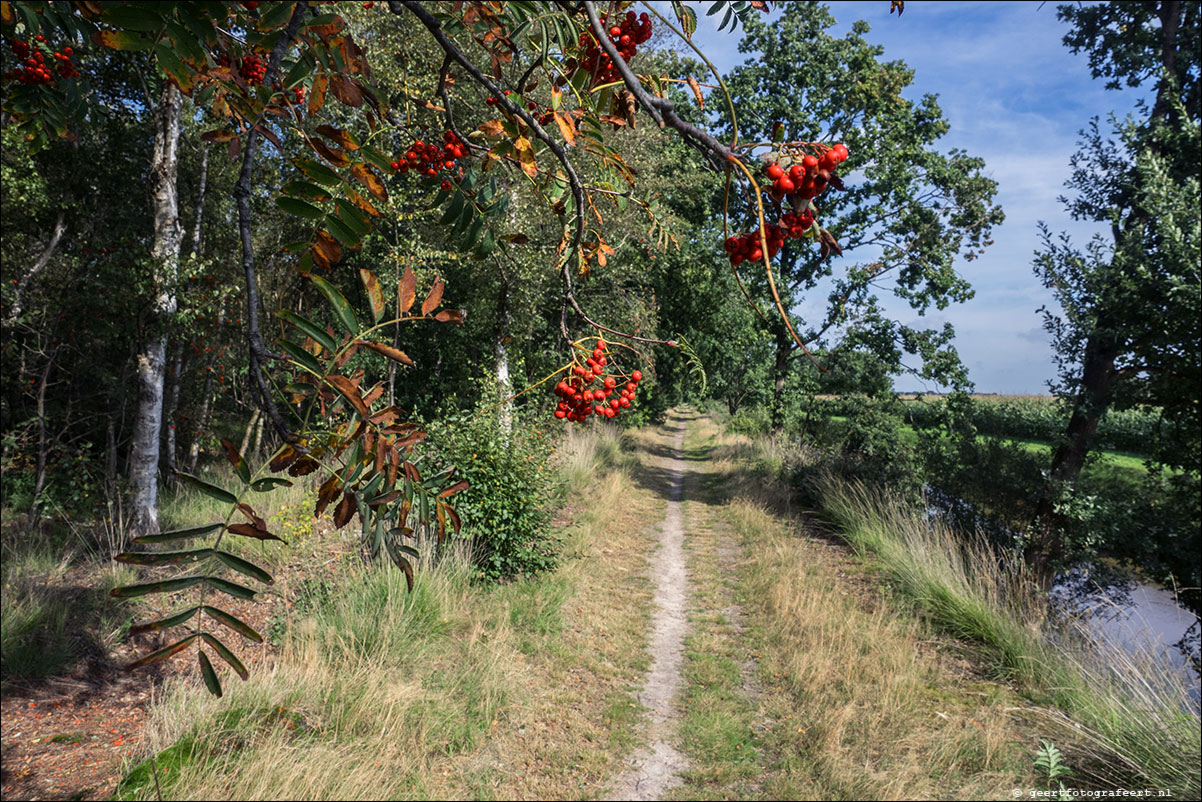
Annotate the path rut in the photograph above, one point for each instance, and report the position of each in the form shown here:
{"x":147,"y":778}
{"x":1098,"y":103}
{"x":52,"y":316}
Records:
{"x":656,"y":768}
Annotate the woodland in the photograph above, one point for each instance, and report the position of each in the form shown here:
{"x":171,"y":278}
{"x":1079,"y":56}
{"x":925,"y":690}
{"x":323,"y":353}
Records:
{"x":413,"y":288}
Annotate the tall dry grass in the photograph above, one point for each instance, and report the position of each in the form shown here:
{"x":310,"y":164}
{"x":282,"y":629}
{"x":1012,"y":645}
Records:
{"x":860,"y":703}
{"x":381,"y":693}
{"x":1123,"y":718}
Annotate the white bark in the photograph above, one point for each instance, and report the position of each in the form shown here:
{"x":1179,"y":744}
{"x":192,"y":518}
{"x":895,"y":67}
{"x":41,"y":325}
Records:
{"x":151,"y":362}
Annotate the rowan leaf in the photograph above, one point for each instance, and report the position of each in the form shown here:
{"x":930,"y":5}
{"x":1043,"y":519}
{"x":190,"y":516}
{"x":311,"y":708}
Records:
{"x":342,"y":309}
{"x":406,"y":291}
{"x":210,"y":676}
{"x":167,"y":622}
{"x":235,"y":459}
{"x":212,"y":491}
{"x":178,"y":534}
{"x":226,"y":655}
{"x":239,"y":626}
{"x":311,"y":329}
{"x":162,"y":654}
{"x":163,"y":557}
{"x":395,"y":354}
{"x":434,"y":298}
{"x":375,"y":293}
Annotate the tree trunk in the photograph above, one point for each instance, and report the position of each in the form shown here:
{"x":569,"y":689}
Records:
{"x":169,"y":410}
{"x":779,"y":374}
{"x":151,"y":362}
{"x":501,"y":353}
{"x":39,"y":482}
{"x":14,"y":312}
{"x":250,"y":428}
{"x":1046,"y":549}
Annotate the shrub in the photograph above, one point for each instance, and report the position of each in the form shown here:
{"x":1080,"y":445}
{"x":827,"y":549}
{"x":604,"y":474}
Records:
{"x":506,"y":508}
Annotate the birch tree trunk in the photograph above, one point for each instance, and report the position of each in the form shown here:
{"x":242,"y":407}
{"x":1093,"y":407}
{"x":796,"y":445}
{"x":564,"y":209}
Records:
{"x":151,"y":361}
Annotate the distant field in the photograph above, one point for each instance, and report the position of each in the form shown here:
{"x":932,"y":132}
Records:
{"x":1118,"y":459}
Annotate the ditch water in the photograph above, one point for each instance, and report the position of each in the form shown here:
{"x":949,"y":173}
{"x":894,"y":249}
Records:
{"x":1118,"y":612}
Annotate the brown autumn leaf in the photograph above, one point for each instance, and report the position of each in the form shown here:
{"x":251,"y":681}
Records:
{"x":406,"y":291}
{"x":362,"y":202}
{"x":395,"y":354}
{"x":303,"y":466}
{"x":453,"y":489}
{"x":491,"y":127}
{"x":249,"y":513}
{"x":434,"y":298}
{"x":271,"y":137}
{"x":326,"y":494}
{"x":344,"y":510}
{"x":696,"y":87}
{"x":343,"y":385}
{"x":346,"y":90}
{"x":338,"y":136}
{"x":317,"y":93}
{"x":375,"y":293}
{"x":330,"y":28}
{"x":218,"y":135}
{"x":370,"y":180}
{"x":234,"y":148}
{"x":565,"y":127}
{"x":450,"y":316}
{"x":338,"y":158}
{"x":286,"y":457}
{"x":250,"y":530}
{"x":326,"y":251}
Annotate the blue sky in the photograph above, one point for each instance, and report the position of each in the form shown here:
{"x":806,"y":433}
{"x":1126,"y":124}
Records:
{"x":1017,"y":97}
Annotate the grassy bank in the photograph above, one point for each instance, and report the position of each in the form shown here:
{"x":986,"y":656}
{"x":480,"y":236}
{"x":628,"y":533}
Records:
{"x":458,"y":689}
{"x":1127,"y":721}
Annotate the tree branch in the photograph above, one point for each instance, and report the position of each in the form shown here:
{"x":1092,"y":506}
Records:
{"x":39,"y":265}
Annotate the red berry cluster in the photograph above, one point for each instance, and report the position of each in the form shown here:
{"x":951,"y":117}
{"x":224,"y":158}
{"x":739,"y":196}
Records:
{"x":808,"y":178}
{"x":428,"y":159}
{"x":746,"y":247}
{"x":252,"y":69}
{"x":632,"y":31}
{"x":32,"y":67}
{"x":578,"y":397}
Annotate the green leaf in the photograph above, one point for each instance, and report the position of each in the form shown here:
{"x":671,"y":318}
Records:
{"x":129,"y":18}
{"x":317,"y":172}
{"x":178,"y":534}
{"x":299,"y":71}
{"x":206,"y":669}
{"x":378,"y":159}
{"x":300,"y":355}
{"x":298,"y":208}
{"x":342,"y":309}
{"x":163,"y":557}
{"x":226,"y":655}
{"x":453,"y":210}
{"x":162,"y":654}
{"x":213,"y":491}
{"x":355,"y":218}
{"x":232,"y":588}
{"x":311,"y":329}
{"x":170,"y":63}
{"x":244,"y":567}
{"x":186,"y":44}
{"x":164,"y":623}
{"x":269,"y":483}
{"x":164,"y":586}
{"x":121,"y":40}
{"x":303,"y":189}
{"x":239,"y":626}
{"x":342,"y":232}
{"x":276,"y":16}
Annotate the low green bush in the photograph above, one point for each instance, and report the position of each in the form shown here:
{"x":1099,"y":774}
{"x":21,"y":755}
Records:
{"x":506,"y":510}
